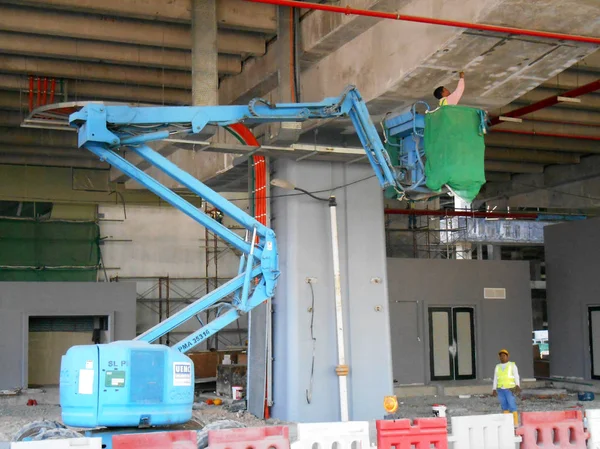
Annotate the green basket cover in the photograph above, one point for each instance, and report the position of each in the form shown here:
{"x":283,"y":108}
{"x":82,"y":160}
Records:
{"x":455,"y":150}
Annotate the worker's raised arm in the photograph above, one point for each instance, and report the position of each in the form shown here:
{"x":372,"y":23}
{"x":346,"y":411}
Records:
{"x":455,"y":96}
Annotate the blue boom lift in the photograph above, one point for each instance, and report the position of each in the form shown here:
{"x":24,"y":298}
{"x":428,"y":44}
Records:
{"x":139,"y":384}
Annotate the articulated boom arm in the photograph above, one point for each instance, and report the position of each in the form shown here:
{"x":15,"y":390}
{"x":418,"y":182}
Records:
{"x":103,"y":129}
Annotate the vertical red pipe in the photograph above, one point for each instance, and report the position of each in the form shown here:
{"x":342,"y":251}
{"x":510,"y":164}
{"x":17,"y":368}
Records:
{"x":260,"y":194}
{"x":52,"y":89}
{"x":39,"y":89}
{"x":45,"y":91}
{"x":30,"y":93}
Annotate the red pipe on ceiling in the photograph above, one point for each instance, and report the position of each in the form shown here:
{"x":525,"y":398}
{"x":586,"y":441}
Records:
{"x":45,"y":91}
{"x":543,"y":134}
{"x":451,"y":23}
{"x":52,"y":89}
{"x":462,"y":213}
{"x":39,"y":88}
{"x":550,"y":101}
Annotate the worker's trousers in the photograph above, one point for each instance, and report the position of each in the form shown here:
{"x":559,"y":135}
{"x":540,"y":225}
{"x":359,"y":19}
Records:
{"x":507,"y":400}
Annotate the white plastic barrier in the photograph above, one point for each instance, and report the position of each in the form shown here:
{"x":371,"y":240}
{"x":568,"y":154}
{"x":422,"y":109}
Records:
{"x":483,"y":432}
{"x":593,"y":427}
{"x":67,"y":443}
{"x":333,"y":435}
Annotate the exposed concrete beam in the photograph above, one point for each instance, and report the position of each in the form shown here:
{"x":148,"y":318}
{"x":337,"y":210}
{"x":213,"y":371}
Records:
{"x":588,"y":102}
{"x":571,"y":79}
{"x":540,"y":157}
{"x":497,"y":177}
{"x":91,"y":90}
{"x":10,"y":118}
{"x":94,"y":71}
{"x":230,"y":13}
{"x":36,"y":137}
{"x":258,"y":78}
{"x":324,"y":33}
{"x":51,"y":161}
{"x":541,"y":127}
{"x":162,"y":35}
{"x":12,"y":101}
{"x":513,"y":167}
{"x":541,"y":143}
{"x":554,"y":176}
{"x":46,"y":151}
{"x":591,"y":63}
{"x":126,"y":54}
{"x":555,"y":114}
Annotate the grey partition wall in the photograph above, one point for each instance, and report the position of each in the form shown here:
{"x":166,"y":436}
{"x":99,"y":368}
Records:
{"x":474,"y":307}
{"x":19,"y":301}
{"x":573,"y":294}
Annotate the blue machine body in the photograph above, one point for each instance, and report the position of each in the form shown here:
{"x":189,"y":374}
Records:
{"x":404,"y":133}
{"x":126,"y":383}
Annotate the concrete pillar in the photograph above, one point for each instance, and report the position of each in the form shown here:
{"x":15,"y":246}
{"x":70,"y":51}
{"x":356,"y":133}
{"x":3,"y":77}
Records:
{"x":463,"y":248}
{"x":285,"y":133}
{"x":205,"y":77}
{"x":304,"y":329}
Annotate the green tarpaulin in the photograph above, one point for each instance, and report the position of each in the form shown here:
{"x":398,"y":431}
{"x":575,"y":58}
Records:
{"x":455,"y":150}
{"x":48,"y":251}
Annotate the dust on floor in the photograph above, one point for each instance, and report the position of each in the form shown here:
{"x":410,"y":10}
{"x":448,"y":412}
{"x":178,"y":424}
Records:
{"x":421,"y":407}
{"x":13,"y":417}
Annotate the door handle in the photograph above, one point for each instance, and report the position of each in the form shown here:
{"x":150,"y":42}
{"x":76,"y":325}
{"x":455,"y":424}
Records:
{"x":452,"y":349}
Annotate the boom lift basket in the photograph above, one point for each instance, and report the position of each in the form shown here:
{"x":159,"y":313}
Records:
{"x":455,"y":150}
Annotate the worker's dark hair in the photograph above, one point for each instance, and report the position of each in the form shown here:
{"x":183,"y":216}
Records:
{"x":438,"y":92}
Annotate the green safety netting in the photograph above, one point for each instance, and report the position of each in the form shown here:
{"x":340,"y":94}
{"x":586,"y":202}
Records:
{"x":48,"y":251}
{"x":455,"y":150}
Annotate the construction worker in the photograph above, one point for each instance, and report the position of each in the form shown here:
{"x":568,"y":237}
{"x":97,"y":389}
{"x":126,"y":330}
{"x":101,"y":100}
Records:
{"x":506,"y":382}
{"x":447,"y":98}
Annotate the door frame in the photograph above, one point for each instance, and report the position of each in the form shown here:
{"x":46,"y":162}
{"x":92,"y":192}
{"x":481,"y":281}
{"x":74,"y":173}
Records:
{"x":590,"y":333}
{"x":452,"y":337}
{"x":430,"y":312}
{"x":471,"y":311}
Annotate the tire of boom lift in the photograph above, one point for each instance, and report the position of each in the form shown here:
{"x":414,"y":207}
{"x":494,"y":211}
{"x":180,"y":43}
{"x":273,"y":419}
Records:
{"x":202,"y":439}
{"x":36,"y":428}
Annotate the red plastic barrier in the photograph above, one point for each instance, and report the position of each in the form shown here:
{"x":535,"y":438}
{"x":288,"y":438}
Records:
{"x":277,"y":437}
{"x":425,"y":433}
{"x":181,"y":439}
{"x":553,"y":429}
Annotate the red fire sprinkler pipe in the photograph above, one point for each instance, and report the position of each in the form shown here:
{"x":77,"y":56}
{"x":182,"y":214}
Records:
{"x":39,"y":91}
{"x":45,"y":91}
{"x":550,"y":101}
{"x":429,"y":20}
{"x":52,"y":90}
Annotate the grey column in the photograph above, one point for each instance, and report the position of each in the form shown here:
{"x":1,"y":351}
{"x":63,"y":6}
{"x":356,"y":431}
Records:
{"x":205,"y":77}
{"x":303,"y":232}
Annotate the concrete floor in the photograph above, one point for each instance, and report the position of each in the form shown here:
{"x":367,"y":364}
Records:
{"x":14,"y":413}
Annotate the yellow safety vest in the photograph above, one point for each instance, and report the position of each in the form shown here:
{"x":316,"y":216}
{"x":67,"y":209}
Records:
{"x":505,"y":377}
{"x":443,"y":101}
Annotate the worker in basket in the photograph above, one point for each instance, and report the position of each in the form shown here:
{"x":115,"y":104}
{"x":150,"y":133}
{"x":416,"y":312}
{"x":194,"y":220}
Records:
{"x":448,"y":98}
{"x":506,"y":384}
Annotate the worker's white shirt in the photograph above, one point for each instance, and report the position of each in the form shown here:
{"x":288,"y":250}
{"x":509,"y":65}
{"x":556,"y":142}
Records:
{"x":455,"y":96}
{"x":503,"y":367}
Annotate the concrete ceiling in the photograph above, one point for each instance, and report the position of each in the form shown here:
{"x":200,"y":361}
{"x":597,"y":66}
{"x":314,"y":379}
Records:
{"x":136,"y":51}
